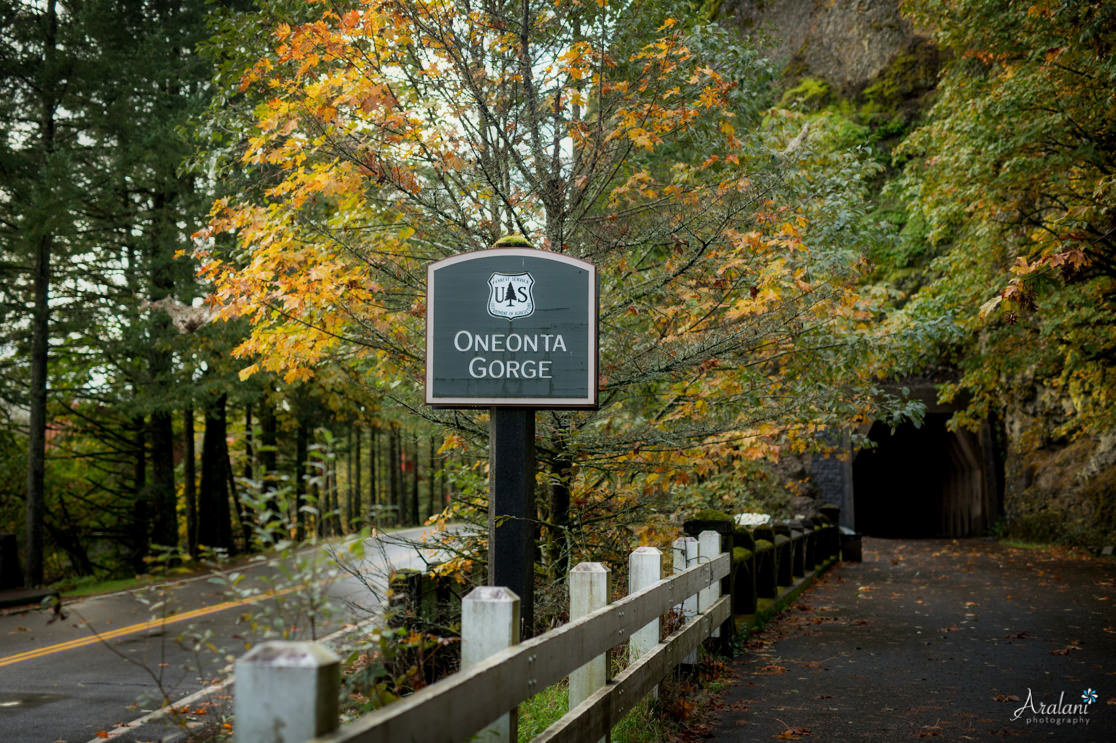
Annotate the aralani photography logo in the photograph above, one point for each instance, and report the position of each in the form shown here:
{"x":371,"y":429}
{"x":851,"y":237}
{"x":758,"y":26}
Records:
{"x":1037,"y":712}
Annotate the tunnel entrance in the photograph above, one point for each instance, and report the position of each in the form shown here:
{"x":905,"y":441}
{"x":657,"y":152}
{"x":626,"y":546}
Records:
{"x":925,"y":482}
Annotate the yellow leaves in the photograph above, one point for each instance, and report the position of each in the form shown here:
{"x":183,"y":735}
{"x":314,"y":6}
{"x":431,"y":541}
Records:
{"x":575,"y":63}
{"x":452,"y":441}
{"x":643,"y":139}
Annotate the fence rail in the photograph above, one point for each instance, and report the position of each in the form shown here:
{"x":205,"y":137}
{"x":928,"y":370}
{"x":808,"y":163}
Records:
{"x":472,"y":698}
{"x":498,"y":673}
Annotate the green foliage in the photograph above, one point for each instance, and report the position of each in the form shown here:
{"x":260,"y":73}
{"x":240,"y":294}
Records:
{"x":1011,"y":185}
{"x":809,"y":95}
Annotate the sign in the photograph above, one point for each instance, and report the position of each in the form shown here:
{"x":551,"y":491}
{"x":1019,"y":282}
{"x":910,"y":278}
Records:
{"x":511,"y":327}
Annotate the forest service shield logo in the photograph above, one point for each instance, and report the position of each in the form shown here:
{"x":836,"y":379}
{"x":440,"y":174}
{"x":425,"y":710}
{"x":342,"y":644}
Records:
{"x":511,"y":295}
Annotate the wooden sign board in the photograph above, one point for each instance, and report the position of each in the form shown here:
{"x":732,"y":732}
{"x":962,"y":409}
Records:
{"x":512,"y":327}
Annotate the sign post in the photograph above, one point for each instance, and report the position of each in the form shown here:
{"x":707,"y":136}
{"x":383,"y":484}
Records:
{"x":514,"y":330}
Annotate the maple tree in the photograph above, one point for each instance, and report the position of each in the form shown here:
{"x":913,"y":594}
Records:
{"x":388,"y":134}
{"x":1010,"y":185}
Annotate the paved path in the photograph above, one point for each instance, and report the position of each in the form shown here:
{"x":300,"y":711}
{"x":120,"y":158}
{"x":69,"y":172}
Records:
{"x":957,"y":640}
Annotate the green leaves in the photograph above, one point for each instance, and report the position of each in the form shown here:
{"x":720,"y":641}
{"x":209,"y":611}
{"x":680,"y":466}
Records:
{"x":1011,"y":177}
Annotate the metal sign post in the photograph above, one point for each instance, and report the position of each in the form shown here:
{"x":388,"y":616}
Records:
{"x":514,"y":330}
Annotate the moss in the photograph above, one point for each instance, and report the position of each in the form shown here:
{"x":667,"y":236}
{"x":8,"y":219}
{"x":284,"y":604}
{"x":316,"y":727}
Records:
{"x":810,"y":94}
{"x":740,"y":554}
{"x":743,"y":538}
{"x":1100,"y":494}
{"x":711,"y":9}
{"x":905,"y":79}
{"x":711,"y":515}
{"x":762,"y":545}
{"x":1046,"y":526}
{"x":512,"y":241}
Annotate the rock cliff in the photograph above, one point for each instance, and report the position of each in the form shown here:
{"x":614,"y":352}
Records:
{"x":847,"y":43}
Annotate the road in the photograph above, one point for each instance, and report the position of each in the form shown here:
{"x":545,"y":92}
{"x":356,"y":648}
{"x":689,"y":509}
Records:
{"x":98,"y":673}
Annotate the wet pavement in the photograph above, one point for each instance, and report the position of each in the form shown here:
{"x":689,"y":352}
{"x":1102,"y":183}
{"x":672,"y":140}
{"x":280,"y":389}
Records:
{"x":957,"y":640}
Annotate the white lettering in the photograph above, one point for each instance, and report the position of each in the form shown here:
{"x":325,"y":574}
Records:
{"x":481,"y":367}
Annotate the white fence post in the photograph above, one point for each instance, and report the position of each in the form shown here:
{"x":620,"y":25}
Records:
{"x":685,"y":557}
{"x":709,"y":547}
{"x":644,"y":570}
{"x":588,"y":592}
{"x":489,"y":624}
{"x":286,"y":692}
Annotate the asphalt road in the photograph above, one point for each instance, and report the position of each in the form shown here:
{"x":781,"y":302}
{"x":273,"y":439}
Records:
{"x":100,"y":673}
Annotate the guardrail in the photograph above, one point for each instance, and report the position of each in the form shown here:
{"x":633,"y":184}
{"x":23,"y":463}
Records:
{"x":288,"y":691}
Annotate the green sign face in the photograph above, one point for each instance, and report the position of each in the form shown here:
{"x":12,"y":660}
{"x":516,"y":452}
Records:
{"x":512,"y":327}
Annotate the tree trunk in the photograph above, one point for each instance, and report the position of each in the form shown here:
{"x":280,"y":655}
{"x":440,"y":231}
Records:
{"x":140,"y":510}
{"x":242,"y":516}
{"x":350,"y":465}
{"x":165,"y":518}
{"x":269,"y":453}
{"x":36,"y":444}
{"x":558,"y":545}
{"x":247,"y":517}
{"x":336,"y":494}
{"x":302,"y":445}
{"x":415,"y":481}
{"x":320,"y":525}
{"x":443,"y":486}
{"x":372,"y":436}
{"x":354,"y":503}
{"x":190,"y":475}
{"x":40,"y":330}
{"x":214,"y":517}
{"x":394,"y":489}
{"x":432,"y":500}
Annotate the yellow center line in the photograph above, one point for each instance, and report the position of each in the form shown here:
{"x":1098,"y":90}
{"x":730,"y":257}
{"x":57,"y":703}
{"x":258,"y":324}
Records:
{"x":141,"y":627}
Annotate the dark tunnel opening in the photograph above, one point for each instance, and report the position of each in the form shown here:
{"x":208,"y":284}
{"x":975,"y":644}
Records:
{"x":924,"y":481}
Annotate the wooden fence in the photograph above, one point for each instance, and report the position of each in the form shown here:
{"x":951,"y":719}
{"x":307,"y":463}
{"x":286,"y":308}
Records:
{"x":288,"y":691}
{"x":483,"y":695}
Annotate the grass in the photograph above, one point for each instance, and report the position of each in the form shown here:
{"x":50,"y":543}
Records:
{"x":92,"y":585}
{"x":1025,"y":545}
{"x":640,"y":725}
{"x":542,"y":710}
